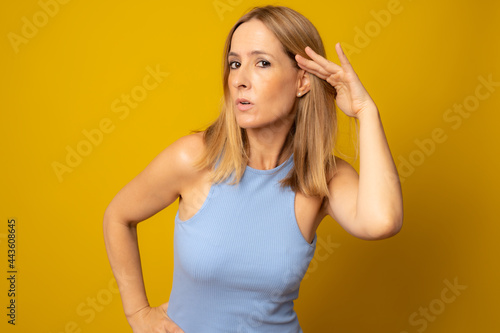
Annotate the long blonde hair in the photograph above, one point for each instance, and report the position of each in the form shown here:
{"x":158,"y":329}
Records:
{"x":313,"y":134}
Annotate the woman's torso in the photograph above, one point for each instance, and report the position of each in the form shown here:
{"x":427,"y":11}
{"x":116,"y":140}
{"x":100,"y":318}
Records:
{"x":240,"y":252}
{"x":309,"y":211}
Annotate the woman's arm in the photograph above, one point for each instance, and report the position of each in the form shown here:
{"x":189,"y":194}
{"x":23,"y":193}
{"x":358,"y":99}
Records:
{"x":379,"y":206}
{"x":155,"y":188}
{"x":369,"y":206}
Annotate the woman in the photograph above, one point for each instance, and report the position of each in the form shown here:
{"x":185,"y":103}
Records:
{"x":241,"y":248}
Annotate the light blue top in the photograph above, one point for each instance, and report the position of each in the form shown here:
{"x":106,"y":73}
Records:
{"x":239,"y":261}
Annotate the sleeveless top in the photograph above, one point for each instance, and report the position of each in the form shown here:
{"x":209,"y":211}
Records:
{"x":239,"y":260}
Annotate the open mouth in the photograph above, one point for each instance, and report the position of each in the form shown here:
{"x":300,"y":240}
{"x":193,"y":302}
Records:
{"x":243,"y":101}
{"x":243,"y":104}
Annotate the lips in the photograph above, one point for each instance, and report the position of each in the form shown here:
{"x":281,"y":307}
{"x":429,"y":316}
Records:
{"x":243,"y":104}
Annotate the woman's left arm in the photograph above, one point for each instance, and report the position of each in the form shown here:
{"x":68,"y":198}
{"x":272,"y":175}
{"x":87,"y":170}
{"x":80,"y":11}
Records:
{"x":369,"y":206}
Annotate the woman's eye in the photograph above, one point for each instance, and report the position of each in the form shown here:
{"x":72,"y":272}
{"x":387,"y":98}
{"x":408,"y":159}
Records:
{"x":264,"y":63}
{"x":236,"y":64}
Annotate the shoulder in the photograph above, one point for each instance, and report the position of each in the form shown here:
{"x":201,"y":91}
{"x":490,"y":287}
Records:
{"x":184,"y":151}
{"x":342,"y":169}
{"x":338,"y":179}
{"x":182,"y":155}
{"x":187,"y":149}
{"x":160,"y":183}
{"x":174,"y":165}
{"x":342,"y":184}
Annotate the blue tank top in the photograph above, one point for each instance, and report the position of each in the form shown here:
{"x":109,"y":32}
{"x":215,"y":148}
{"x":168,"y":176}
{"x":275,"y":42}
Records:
{"x":239,"y":260}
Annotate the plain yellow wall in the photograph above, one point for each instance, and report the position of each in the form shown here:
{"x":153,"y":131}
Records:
{"x":66,"y":68}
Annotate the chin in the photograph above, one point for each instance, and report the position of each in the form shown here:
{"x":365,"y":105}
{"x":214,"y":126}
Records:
{"x":247,"y":125}
{"x":245,"y":121}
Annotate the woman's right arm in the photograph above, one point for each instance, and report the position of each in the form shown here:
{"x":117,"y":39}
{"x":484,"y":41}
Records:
{"x":155,"y":188}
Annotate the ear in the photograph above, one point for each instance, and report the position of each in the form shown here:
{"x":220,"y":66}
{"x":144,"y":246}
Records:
{"x":303,"y":83}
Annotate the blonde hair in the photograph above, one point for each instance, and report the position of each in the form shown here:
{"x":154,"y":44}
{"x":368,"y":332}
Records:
{"x":313,"y":134}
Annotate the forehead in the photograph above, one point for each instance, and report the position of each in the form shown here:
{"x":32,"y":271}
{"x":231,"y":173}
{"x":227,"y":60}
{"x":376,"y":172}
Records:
{"x":254,"y":35}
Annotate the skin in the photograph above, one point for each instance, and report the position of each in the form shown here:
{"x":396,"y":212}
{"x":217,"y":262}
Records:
{"x":368,"y":205}
{"x":271,"y":82}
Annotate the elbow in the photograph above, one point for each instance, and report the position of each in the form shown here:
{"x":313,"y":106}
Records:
{"x":383,"y":228}
{"x":114,"y":216}
{"x":107,"y":221}
{"x":113,"y":225}
{"x":107,"y":217}
{"x":110,"y":219}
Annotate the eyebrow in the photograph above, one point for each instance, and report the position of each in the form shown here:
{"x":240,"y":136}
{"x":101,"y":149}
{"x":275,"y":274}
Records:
{"x":255,"y":52}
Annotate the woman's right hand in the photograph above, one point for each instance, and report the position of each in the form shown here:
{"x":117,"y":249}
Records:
{"x":153,"y":320}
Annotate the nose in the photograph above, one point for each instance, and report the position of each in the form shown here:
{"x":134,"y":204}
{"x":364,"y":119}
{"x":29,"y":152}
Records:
{"x":240,"y":77}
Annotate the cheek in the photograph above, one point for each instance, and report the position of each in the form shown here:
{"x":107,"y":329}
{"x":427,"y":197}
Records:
{"x":278,"y":88}
{"x":285,"y":93}
{"x":229,"y":83}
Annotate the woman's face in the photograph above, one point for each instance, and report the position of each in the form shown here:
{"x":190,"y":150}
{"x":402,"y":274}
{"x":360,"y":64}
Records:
{"x":263,"y":82}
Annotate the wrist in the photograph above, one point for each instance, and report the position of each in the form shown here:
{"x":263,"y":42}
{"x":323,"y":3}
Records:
{"x":369,"y":112}
{"x":130,"y":314}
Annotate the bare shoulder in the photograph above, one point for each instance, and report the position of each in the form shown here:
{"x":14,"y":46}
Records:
{"x":160,"y":183}
{"x":184,"y":152}
{"x":337,"y":175}
{"x":188,"y":148}
{"x":343,"y":168}
{"x":172,"y":170}
{"x":342,"y":185}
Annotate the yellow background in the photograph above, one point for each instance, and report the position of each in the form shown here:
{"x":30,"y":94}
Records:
{"x":65,"y":77}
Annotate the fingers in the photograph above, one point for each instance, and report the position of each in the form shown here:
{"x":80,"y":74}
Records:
{"x":342,"y":57}
{"x":318,"y":66}
{"x":325,"y":63}
{"x":171,"y":327}
{"x":311,"y":67}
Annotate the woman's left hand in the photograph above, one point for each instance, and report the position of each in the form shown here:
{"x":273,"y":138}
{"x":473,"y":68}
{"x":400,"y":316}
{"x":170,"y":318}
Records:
{"x":352,"y":97}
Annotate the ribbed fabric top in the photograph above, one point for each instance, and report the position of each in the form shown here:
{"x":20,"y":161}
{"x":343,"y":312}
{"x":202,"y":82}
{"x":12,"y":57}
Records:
{"x":239,"y":261}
